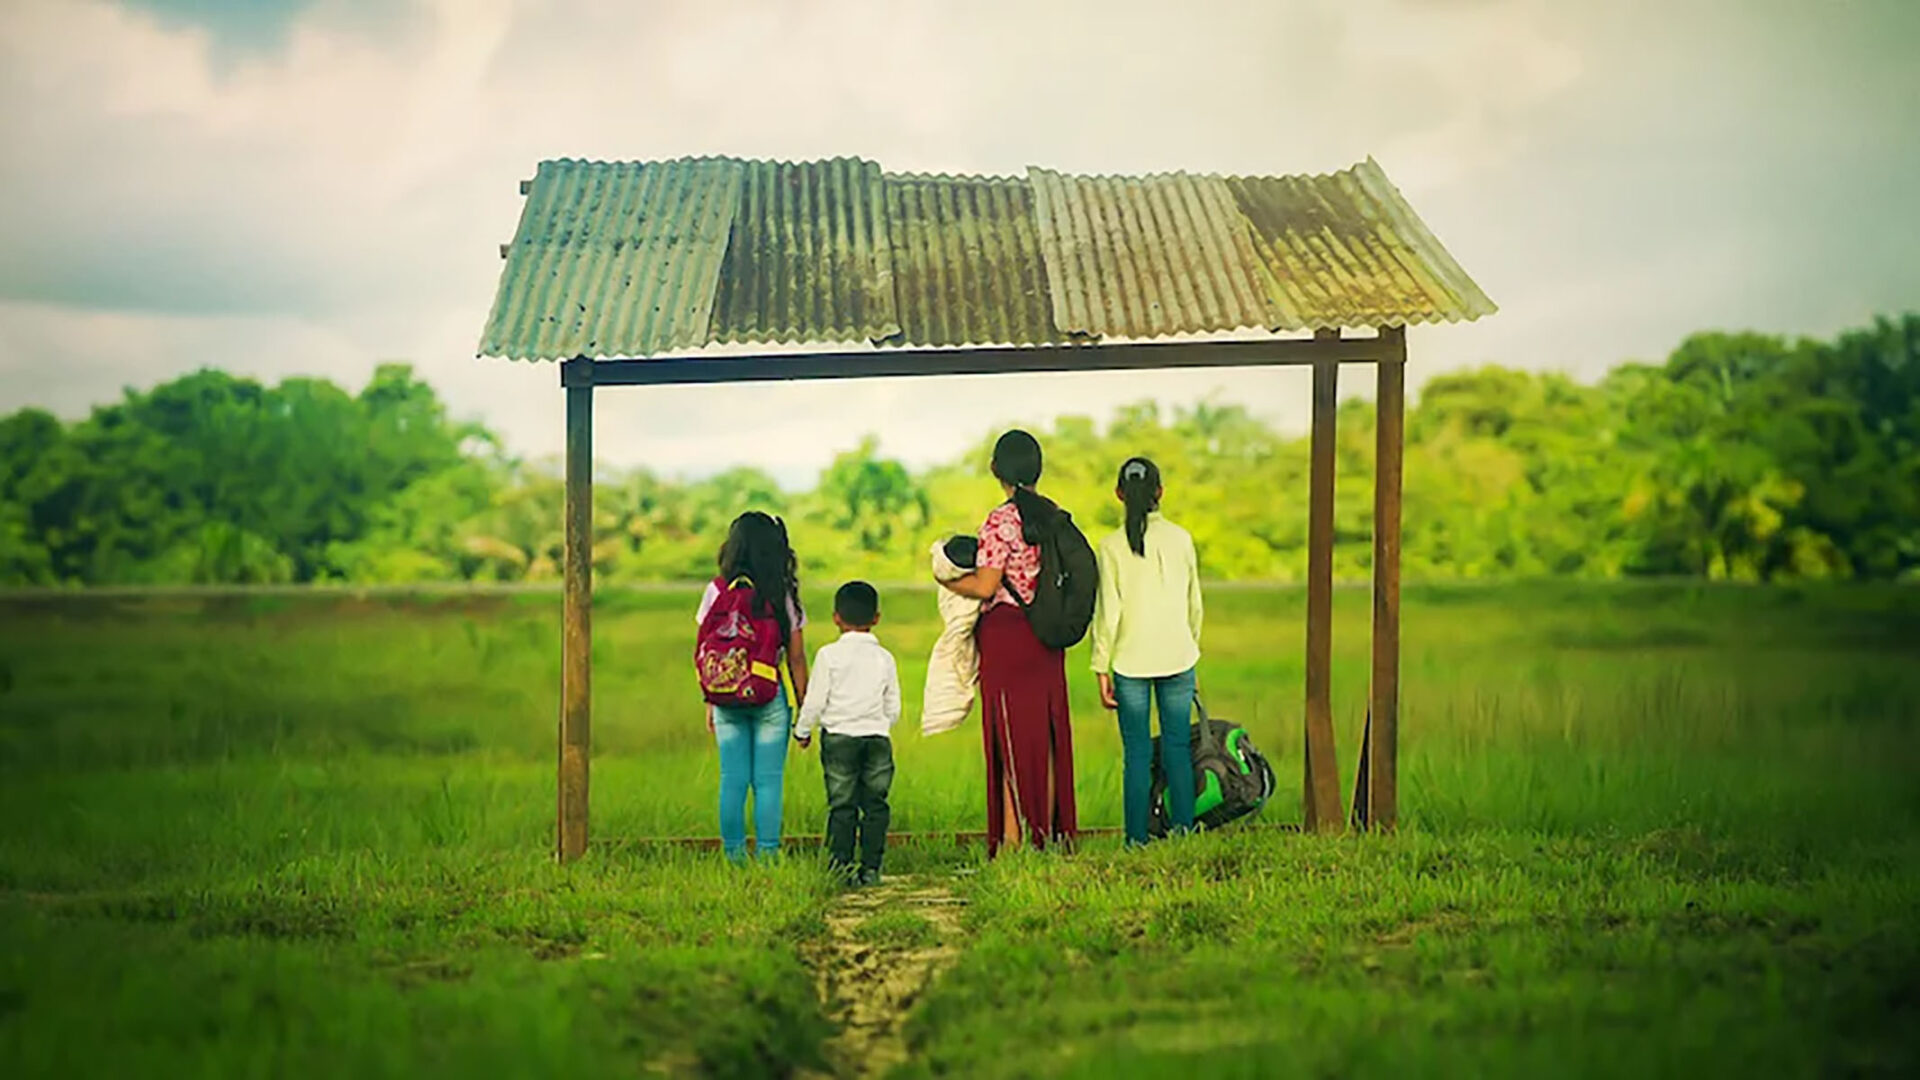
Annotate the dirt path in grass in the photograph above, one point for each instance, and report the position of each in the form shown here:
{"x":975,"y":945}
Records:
{"x":883,"y":948}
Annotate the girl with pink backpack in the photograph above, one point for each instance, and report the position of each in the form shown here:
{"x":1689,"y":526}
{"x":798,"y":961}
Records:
{"x":751,"y":623}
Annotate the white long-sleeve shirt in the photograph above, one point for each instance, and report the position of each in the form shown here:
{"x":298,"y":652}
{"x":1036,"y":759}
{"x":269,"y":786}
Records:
{"x":853,"y":688}
{"x":1146,"y":621}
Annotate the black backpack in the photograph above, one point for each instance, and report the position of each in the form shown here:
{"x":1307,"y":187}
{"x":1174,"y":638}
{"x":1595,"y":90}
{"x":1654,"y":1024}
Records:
{"x":1069,"y":581}
{"x":1231,"y":777}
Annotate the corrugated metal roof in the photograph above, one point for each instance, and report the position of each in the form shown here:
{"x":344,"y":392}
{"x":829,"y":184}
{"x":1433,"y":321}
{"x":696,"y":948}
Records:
{"x":966,"y":261}
{"x":1347,"y":250}
{"x":1145,"y":256}
{"x":640,"y":259}
{"x":810,"y":258}
{"x":614,"y":259}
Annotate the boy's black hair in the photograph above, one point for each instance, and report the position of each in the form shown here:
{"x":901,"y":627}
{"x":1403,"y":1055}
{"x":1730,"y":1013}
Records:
{"x":857,"y":604}
{"x":963,"y":551}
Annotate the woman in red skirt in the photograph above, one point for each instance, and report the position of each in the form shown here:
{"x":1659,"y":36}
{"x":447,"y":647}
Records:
{"x":1023,"y":684}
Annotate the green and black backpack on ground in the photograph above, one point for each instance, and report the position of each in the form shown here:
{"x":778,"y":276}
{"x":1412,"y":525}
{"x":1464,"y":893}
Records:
{"x":1231,"y":777}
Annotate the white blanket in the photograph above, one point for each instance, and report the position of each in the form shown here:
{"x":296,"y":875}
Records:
{"x":953,"y":671}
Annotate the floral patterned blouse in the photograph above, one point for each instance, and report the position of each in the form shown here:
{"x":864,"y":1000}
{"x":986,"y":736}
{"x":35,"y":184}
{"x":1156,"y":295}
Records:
{"x":1004,"y":546}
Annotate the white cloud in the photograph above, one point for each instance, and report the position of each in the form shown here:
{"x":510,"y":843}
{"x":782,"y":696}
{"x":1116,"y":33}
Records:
{"x":66,"y":360}
{"x":337,"y":200}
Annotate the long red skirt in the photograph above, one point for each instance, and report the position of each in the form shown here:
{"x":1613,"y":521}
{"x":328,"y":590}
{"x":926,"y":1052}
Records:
{"x":1024,"y":722}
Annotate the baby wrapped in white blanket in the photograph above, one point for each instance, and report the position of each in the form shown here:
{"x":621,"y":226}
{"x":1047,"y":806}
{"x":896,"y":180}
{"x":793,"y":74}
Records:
{"x":953,"y":671}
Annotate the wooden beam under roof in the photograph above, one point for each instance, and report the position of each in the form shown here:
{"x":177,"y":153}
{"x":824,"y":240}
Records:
{"x":886,"y":362}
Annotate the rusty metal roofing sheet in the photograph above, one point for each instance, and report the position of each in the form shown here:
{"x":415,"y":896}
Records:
{"x":1145,"y":256}
{"x":1347,"y":250}
{"x":614,"y":259}
{"x":966,"y":262}
{"x":810,"y":258}
{"x":637,"y":259}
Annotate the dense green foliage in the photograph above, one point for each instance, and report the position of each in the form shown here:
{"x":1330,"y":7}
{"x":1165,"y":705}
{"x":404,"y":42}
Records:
{"x":1741,"y":457}
{"x":1648,"y":829}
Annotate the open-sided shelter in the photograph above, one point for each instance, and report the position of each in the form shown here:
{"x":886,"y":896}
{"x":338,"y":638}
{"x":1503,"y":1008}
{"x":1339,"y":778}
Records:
{"x":625,"y":272}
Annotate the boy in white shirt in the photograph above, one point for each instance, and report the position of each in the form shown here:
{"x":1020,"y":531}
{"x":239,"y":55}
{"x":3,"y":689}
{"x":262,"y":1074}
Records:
{"x":853,"y":697}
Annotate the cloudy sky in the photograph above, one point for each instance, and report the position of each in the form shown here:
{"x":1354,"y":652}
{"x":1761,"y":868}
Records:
{"x":284,"y":187}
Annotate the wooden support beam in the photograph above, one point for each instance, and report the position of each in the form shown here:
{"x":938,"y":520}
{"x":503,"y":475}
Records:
{"x":1383,"y":721}
{"x":1357,"y":816}
{"x":1320,"y":784}
{"x":887,"y":362}
{"x":576,"y":636}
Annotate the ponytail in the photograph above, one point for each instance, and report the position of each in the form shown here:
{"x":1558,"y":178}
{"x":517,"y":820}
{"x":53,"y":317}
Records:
{"x":1017,"y":463}
{"x":1035,"y":511}
{"x":1139,"y":487}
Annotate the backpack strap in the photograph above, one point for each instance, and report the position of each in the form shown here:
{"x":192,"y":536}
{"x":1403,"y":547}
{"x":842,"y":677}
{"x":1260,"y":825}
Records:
{"x":1006,"y":582}
{"x":1208,"y":741}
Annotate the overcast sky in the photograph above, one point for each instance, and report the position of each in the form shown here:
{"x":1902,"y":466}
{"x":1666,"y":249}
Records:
{"x":283,"y":187}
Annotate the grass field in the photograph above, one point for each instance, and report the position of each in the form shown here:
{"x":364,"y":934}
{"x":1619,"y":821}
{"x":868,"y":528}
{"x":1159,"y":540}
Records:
{"x":1648,"y":830}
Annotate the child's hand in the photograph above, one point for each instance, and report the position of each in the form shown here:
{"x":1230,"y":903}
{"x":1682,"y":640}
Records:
{"x":1106,"y":691}
{"x":805,"y":741}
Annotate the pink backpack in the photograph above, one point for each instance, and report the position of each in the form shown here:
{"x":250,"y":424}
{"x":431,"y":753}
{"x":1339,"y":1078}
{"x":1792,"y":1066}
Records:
{"x":736,"y":651}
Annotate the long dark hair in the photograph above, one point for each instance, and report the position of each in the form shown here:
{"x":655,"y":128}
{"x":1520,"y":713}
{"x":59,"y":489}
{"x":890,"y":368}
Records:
{"x":1139,"y":487}
{"x":757,"y":547}
{"x":1016,"y":461}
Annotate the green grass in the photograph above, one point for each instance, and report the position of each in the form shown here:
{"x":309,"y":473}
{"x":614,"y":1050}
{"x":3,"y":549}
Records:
{"x":1650,"y":829}
{"x":899,"y":928}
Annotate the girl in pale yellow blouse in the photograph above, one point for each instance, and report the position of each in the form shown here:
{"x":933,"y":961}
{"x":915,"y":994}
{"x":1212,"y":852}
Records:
{"x":1146,"y":643}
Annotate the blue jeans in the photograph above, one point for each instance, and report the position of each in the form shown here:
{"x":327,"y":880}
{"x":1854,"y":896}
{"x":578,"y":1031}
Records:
{"x":753,"y":755}
{"x":1136,"y":748}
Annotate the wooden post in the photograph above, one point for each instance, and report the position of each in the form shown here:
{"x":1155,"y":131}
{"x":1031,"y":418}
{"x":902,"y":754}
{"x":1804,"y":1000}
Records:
{"x":1383,"y":722}
{"x":576,"y":636}
{"x":1357,"y":815}
{"x":1320,"y":784}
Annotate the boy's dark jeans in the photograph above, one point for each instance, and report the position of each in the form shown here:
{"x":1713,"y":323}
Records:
{"x":859,"y":772}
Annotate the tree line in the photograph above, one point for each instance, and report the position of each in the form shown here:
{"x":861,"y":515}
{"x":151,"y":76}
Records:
{"x":1741,"y":457}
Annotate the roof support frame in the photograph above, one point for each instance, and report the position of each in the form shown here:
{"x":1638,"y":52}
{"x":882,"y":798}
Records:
{"x":1375,"y":782}
{"x":891,"y":362}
